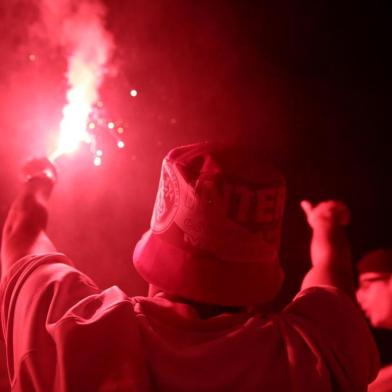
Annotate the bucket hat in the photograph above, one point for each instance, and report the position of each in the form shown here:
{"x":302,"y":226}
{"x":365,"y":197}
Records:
{"x":215,"y":229}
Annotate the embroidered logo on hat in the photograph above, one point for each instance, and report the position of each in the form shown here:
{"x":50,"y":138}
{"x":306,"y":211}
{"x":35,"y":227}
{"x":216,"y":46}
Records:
{"x":167,"y":200}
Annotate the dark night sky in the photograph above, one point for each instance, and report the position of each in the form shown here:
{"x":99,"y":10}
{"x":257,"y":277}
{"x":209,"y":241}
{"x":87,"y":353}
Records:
{"x":307,"y":82}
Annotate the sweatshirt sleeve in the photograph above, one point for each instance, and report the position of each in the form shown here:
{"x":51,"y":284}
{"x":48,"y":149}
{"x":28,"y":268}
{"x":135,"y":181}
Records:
{"x":30,"y":294}
{"x":63,"y":333}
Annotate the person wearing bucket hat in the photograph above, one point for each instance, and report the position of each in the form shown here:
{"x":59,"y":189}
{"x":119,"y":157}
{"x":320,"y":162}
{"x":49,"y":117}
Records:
{"x":374,"y":294}
{"x":211,"y":257}
{"x":215,"y":229}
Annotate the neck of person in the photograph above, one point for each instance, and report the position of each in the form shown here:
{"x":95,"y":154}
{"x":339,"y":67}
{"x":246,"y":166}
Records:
{"x":204,"y":311}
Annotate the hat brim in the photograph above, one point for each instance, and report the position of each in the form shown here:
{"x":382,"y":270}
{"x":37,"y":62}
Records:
{"x":204,"y":278}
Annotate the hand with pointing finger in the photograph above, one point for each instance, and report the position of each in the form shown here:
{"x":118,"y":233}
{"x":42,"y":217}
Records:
{"x":329,"y":248}
{"x":326,"y":214}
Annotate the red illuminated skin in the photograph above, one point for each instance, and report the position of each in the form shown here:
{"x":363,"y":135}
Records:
{"x":374,"y":294}
{"x":24,"y":228}
{"x":329,"y":249}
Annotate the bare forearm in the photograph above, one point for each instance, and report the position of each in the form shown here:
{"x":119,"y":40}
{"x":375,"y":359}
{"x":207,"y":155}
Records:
{"x":329,"y":248}
{"x":24,"y":229}
{"x":331,"y":260}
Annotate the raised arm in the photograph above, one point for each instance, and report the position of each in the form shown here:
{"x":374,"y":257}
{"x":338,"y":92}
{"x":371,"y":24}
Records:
{"x":329,"y":249}
{"x":24,"y":228}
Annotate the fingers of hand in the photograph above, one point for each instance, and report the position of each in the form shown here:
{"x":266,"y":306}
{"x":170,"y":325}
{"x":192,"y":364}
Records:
{"x":308,"y":210}
{"x":39,"y":167}
{"x":332,"y":211}
{"x":306,"y":206}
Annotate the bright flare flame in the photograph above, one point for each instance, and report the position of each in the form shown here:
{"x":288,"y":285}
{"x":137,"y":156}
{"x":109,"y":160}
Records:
{"x":79,"y":28}
{"x":81,"y":97}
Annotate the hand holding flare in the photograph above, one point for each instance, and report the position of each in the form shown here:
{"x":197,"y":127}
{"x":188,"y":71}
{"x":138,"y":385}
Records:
{"x":41,"y":174}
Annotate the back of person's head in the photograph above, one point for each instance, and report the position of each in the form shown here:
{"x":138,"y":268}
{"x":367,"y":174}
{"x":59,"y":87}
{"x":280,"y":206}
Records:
{"x":215,"y":229}
{"x":374,"y":292}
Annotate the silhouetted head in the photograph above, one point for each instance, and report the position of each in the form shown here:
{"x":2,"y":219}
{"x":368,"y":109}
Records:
{"x":374,"y":292}
{"x":215,"y":229}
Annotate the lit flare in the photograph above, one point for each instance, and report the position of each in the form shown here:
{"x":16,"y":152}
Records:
{"x":81,"y":97}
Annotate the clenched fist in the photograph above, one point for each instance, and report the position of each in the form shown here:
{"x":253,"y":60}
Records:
{"x":39,"y":168}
